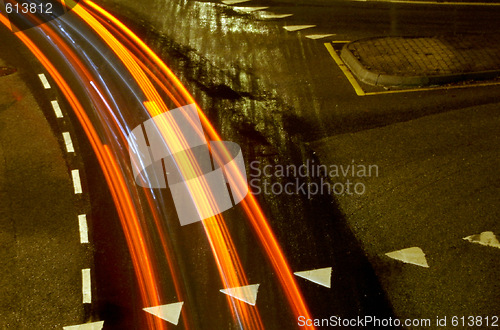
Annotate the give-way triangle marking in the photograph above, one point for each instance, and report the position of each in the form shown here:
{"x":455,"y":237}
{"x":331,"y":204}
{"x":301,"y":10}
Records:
{"x":247,"y":293}
{"x":86,"y":326}
{"x":486,"y":238}
{"x":297,"y":27}
{"x":319,"y":36}
{"x":321,"y":276}
{"x":168,"y":312}
{"x":413,"y":255}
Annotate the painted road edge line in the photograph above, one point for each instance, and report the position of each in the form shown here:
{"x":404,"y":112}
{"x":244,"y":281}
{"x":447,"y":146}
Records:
{"x":84,"y":229}
{"x":415,"y":2}
{"x":86,"y":286}
{"x":44,"y":81}
{"x":427,"y":89}
{"x":357,"y":88}
{"x":77,"y":184}
{"x":57,"y":109}
{"x":68,"y":142}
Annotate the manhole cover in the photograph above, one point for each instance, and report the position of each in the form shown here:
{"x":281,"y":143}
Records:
{"x":5,"y":70}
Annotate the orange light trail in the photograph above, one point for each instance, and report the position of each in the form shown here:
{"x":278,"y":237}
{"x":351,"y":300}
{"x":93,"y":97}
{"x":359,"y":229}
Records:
{"x":121,"y":195}
{"x":222,"y":243}
{"x":228,"y":262}
{"x":250,"y":204}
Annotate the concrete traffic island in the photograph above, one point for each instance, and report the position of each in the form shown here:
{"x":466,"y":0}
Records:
{"x":422,"y":61}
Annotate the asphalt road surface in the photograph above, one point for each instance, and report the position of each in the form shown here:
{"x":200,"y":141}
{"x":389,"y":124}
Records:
{"x":267,"y":84}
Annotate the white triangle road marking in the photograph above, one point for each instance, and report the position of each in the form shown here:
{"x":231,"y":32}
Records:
{"x":275,"y":16}
{"x":233,"y":2}
{"x":297,"y":27}
{"x":321,"y":276}
{"x":486,"y":238}
{"x":249,"y":9}
{"x":247,"y":293}
{"x":168,"y":312}
{"x":412,"y":255}
{"x":319,"y":36}
{"x":86,"y":326}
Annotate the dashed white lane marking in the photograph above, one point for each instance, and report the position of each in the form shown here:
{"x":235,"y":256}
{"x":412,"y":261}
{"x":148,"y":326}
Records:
{"x":44,"y":81}
{"x":247,"y":293}
{"x":413,"y":255}
{"x":275,"y":16}
{"x":169,"y":312}
{"x":57,"y":109}
{"x":249,"y":9}
{"x":297,"y":27}
{"x":86,"y":326}
{"x":486,"y":238}
{"x":233,"y":2}
{"x":77,"y":184}
{"x":86,"y":286}
{"x":68,"y":142}
{"x":321,"y":276}
{"x":84,"y":230}
{"x":319,"y":36}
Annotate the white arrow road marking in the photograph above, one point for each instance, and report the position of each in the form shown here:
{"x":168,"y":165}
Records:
{"x":233,"y":2}
{"x":321,"y":276}
{"x":297,"y":27}
{"x":413,"y":255}
{"x":274,"y":16}
{"x":77,"y":184}
{"x":486,"y":238}
{"x":84,"y":231}
{"x":249,"y":9}
{"x":44,"y":81}
{"x":319,"y":36}
{"x":57,"y":109}
{"x":247,"y":293}
{"x":68,"y":142}
{"x":168,"y":312}
{"x":86,"y":326}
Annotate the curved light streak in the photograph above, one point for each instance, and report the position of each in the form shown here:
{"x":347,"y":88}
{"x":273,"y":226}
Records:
{"x":226,"y":257}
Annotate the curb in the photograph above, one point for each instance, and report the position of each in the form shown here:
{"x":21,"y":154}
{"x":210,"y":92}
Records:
{"x":378,"y":79}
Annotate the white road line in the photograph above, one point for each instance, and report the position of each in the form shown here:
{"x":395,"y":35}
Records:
{"x":86,"y":326}
{"x":84,"y":230}
{"x":413,"y":255}
{"x":77,"y":184}
{"x":233,"y":2}
{"x":275,"y":16}
{"x":57,"y":109}
{"x":247,"y":293}
{"x":486,"y":238}
{"x":169,"y":312}
{"x":292,"y":28}
{"x":321,"y":276}
{"x":86,"y":286}
{"x":249,"y":9}
{"x":319,"y":36}
{"x":68,"y":142}
{"x":44,"y":81}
